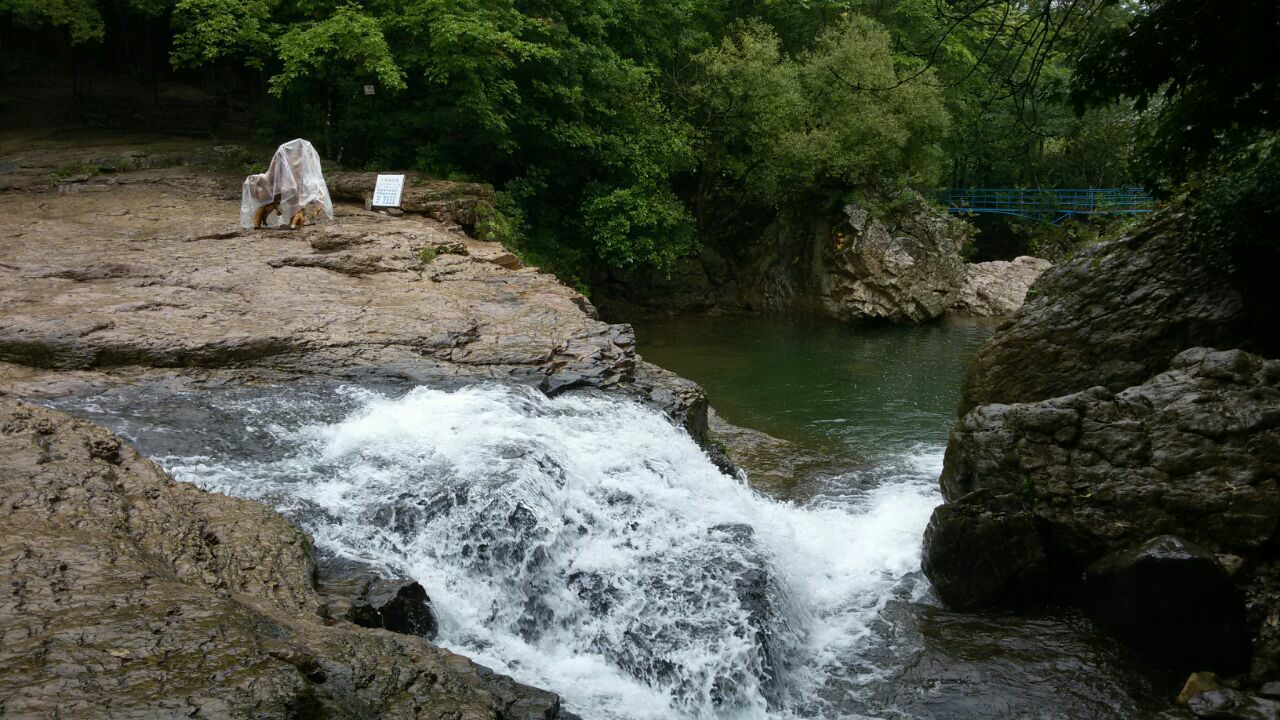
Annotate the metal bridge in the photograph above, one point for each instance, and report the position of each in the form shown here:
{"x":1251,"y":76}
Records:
{"x":1047,"y":205}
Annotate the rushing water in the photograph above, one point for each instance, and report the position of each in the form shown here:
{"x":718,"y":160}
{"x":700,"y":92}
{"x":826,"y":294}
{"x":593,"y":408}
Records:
{"x":586,"y":545}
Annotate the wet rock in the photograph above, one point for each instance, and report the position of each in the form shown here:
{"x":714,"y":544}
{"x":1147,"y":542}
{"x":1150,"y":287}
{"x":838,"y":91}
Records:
{"x":399,"y":606}
{"x":934,"y":664}
{"x":357,"y":593}
{"x":1192,"y":452}
{"x":998,"y":288}
{"x":1113,"y":315}
{"x":976,"y":553}
{"x":773,"y":465}
{"x":131,"y":595}
{"x":1171,"y":601}
{"x":683,"y":400}
{"x":1225,"y":704}
{"x":1270,"y":690}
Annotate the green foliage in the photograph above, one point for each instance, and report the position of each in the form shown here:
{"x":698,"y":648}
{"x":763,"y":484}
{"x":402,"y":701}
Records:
{"x":778,"y":125}
{"x":1205,"y":69}
{"x":779,"y":129}
{"x":348,"y":44}
{"x":623,"y":133}
{"x":211,"y":30}
{"x":1234,"y":218}
{"x":502,"y":222}
{"x":81,"y":18}
{"x":642,"y":224}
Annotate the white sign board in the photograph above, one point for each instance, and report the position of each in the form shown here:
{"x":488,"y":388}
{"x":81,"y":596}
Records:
{"x":386,"y":193}
{"x":368,"y":89}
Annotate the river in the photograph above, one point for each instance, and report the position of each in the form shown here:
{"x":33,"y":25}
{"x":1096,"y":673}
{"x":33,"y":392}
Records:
{"x":585,"y":545}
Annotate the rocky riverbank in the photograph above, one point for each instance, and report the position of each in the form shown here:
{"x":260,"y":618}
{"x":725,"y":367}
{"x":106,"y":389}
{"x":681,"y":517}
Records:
{"x":900,"y":262}
{"x":133,"y":594}
{"x":1119,"y":448}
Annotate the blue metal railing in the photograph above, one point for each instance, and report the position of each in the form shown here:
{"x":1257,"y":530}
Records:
{"x":1051,"y":205}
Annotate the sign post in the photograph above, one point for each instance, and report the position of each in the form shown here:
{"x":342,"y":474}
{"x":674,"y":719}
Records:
{"x":387,"y":191}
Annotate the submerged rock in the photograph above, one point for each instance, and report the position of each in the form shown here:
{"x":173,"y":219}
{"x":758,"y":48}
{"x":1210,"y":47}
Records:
{"x":935,"y":664}
{"x":130,"y":595}
{"x":1170,"y":600}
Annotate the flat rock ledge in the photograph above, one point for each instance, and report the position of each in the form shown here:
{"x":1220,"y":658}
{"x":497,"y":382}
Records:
{"x":153,"y":274}
{"x":128,"y":594}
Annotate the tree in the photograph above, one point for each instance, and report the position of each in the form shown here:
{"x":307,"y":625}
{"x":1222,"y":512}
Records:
{"x":1207,"y":69}
{"x":778,"y":128}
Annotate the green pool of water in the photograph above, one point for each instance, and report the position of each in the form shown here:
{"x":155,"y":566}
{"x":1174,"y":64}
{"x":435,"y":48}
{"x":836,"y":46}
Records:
{"x":864,"y":392}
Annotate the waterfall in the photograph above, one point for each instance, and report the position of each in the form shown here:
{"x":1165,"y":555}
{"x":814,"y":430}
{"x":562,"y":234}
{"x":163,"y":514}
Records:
{"x":586,"y":545}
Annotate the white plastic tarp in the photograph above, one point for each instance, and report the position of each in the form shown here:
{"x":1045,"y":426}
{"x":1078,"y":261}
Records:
{"x":294,"y":175}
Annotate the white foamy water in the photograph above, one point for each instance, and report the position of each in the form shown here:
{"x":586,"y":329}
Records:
{"x":585,"y":545}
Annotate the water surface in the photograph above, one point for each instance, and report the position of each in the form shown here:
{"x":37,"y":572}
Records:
{"x":587,"y":545}
{"x":869,"y":392}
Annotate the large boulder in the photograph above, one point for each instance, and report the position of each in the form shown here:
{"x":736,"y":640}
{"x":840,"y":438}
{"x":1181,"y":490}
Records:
{"x":464,"y":204}
{"x":1174,"y":603}
{"x":977,"y":552}
{"x":1193,"y":452}
{"x":130,"y":595}
{"x":1113,"y":315}
{"x":999,"y":287}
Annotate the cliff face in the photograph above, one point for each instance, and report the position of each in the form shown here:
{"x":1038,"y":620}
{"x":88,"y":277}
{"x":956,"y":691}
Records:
{"x":1097,"y":422}
{"x":902,"y":264}
{"x":905,"y":267}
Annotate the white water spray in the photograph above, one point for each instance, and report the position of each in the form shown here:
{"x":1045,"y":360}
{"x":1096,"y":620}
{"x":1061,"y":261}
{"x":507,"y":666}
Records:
{"x":585,"y":545}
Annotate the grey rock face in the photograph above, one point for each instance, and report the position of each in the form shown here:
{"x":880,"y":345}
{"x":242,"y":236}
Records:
{"x":977,"y":553}
{"x":130,"y":595}
{"x":1172,"y":601}
{"x":1193,"y":452}
{"x":998,"y":288}
{"x":903,"y":267}
{"x":1204,"y":438}
{"x":1114,"y":315}
{"x":907,"y":268}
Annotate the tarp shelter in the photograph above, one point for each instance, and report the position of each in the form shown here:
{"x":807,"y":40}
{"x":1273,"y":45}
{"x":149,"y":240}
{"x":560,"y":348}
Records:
{"x":294,"y":175}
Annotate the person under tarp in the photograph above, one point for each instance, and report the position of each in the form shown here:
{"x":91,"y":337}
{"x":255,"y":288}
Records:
{"x":292,"y":187}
